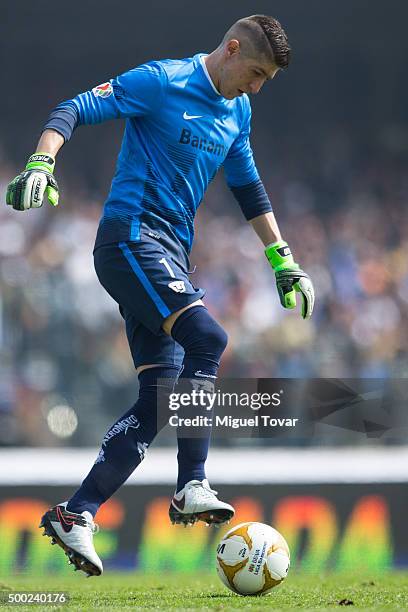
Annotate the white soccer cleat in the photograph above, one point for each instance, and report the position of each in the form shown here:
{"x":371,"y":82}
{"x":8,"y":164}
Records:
{"x":198,"y":502}
{"x":74,"y":533}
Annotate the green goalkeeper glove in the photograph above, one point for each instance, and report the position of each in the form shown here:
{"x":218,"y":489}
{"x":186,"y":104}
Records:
{"x":290,"y":278}
{"x":28,"y":188}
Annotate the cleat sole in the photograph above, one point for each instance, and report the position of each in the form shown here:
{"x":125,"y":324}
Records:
{"x":74,"y":558}
{"x":213,"y":517}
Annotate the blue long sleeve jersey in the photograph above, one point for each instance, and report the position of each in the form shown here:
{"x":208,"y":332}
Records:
{"x":179,"y":131}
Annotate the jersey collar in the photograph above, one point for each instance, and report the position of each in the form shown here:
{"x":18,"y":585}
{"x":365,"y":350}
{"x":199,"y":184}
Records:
{"x":213,"y":91}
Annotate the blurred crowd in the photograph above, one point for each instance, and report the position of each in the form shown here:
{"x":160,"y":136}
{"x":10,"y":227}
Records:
{"x":342,"y":211}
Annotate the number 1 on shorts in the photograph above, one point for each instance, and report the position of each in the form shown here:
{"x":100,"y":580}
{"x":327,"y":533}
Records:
{"x":166,"y":264}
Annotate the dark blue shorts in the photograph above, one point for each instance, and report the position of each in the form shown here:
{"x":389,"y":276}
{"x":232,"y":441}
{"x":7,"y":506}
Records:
{"x":149,"y":280}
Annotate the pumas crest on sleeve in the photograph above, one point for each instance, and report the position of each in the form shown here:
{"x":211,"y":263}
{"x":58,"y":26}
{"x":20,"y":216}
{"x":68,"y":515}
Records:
{"x":103,"y":91}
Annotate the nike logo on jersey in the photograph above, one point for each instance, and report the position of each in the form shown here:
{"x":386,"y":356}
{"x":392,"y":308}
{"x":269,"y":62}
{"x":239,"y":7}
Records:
{"x":187,"y":117}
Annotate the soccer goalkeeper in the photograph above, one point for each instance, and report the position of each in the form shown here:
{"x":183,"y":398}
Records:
{"x":184,"y":119}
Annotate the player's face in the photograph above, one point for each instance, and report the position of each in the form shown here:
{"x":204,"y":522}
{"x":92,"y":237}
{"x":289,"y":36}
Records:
{"x":245,"y":75}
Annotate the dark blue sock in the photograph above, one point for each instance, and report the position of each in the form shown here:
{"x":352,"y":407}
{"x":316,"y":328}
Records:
{"x":125,"y":444}
{"x":204,"y":341}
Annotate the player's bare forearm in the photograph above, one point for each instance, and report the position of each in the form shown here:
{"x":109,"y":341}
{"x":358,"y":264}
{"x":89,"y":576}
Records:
{"x":266,"y":228}
{"x":50,"y":142}
{"x":290,"y":279}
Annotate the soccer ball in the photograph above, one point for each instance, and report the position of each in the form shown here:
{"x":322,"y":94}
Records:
{"x":252,"y":559}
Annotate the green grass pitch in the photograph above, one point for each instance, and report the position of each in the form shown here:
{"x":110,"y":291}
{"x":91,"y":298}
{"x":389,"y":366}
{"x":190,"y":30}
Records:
{"x":133,"y":591}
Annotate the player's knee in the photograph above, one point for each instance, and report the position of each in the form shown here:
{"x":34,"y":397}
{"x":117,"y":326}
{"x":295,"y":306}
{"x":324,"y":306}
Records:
{"x":215,"y":336}
{"x":199,"y":334}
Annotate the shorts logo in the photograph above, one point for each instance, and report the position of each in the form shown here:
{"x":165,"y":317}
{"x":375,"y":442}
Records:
{"x":177,"y":286}
{"x":103,"y":91}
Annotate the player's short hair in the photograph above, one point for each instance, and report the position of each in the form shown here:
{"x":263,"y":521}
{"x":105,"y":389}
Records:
{"x":262,"y":35}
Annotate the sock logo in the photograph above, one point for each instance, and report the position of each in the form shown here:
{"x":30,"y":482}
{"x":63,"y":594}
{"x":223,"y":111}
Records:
{"x":130,"y":422}
{"x":141,"y":449}
{"x":203,"y":374}
{"x":203,"y":385}
{"x":101,"y":457}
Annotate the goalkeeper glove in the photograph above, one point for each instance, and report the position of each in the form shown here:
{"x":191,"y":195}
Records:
{"x":290,"y":278}
{"x":28,"y":188}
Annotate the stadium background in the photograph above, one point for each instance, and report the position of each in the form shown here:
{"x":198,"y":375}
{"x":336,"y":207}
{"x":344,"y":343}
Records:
{"x":331,"y":141}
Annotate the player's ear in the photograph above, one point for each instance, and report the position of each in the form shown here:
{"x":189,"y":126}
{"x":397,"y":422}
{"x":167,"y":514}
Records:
{"x":233,"y":47}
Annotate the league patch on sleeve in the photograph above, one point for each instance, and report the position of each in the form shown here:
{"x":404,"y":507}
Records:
{"x":103,"y":91}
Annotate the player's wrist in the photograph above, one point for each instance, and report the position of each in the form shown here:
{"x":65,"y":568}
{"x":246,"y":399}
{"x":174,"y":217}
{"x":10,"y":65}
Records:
{"x":280,"y":256}
{"x":41,"y":161}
